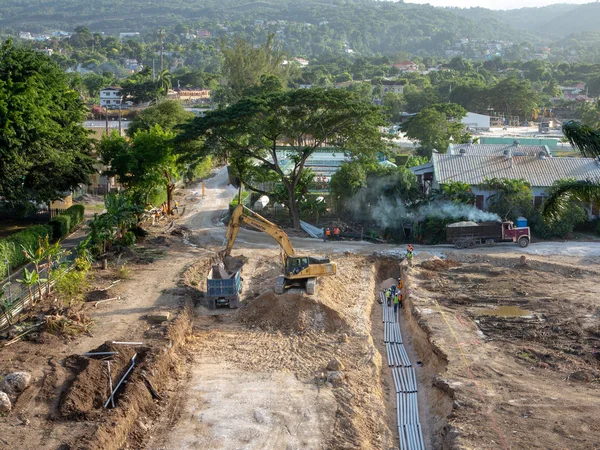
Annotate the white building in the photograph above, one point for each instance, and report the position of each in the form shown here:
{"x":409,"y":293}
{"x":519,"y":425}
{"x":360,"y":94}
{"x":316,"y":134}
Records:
{"x":476,"y":121}
{"x":110,"y":96}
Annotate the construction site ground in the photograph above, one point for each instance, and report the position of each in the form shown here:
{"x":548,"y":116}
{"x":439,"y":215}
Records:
{"x":256,"y":377}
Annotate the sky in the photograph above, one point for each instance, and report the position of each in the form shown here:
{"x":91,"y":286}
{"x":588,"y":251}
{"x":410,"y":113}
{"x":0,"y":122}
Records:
{"x":495,"y":4}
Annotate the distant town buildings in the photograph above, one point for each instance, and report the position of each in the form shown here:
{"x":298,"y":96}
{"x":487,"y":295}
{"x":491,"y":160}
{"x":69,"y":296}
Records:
{"x":190,"y":95}
{"x":129,"y":34}
{"x":406,"y":66}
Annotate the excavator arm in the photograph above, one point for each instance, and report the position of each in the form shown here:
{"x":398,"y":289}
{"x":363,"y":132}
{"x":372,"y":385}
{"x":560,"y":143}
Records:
{"x":240,"y":215}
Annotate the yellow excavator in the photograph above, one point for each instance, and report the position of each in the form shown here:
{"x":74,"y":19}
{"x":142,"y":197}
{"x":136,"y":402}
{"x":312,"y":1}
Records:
{"x":298,"y":271}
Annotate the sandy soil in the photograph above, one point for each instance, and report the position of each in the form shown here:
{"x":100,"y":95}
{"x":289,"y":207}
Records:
{"x":525,"y":380}
{"x":259,"y":376}
{"x":256,"y":377}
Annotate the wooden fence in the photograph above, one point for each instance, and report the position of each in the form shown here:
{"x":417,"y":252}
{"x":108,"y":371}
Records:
{"x":38,"y":216}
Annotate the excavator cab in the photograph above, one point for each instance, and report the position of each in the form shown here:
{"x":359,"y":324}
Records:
{"x":295,"y":265}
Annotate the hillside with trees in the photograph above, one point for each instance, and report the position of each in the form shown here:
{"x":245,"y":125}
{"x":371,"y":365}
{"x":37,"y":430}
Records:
{"x":365,"y":26}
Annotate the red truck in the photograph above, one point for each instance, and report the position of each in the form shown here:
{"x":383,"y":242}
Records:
{"x":470,"y":234}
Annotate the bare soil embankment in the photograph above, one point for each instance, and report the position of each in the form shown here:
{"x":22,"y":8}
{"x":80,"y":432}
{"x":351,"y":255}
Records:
{"x":516,"y":347}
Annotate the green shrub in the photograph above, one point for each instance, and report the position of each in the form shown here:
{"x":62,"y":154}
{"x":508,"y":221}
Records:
{"x":76,"y":214}
{"x":432,"y":230}
{"x":574,"y":216}
{"x":70,"y":286}
{"x":61,"y":225}
{"x":597,"y":229}
{"x":10,"y":247}
{"x":129,"y":239}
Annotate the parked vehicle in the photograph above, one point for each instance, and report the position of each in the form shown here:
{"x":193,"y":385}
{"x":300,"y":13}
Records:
{"x":223,"y":288}
{"x":471,"y":234}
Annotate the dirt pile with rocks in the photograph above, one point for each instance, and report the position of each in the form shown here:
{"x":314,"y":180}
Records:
{"x":292,"y":313}
{"x":89,"y":387}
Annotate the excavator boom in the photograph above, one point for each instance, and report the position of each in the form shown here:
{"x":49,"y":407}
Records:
{"x":296,"y":269}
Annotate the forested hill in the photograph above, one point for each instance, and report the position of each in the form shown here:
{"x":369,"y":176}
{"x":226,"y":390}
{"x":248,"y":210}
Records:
{"x":375,"y":25}
{"x":553,"y":21}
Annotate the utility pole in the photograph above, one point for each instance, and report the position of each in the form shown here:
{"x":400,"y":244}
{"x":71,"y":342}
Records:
{"x":106,"y":112}
{"x":161,"y":35}
{"x":120,"y":127}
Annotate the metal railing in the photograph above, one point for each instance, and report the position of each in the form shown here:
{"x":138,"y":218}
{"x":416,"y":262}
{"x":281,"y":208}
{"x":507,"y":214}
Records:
{"x":16,"y":296}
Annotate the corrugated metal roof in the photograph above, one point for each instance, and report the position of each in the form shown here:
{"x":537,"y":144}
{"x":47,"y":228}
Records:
{"x":474,"y":169}
{"x":497,"y":149}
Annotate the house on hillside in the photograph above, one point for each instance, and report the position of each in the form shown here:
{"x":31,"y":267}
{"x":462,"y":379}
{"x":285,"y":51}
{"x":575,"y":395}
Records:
{"x":110,"y":97}
{"x":397,"y":87}
{"x":474,"y":163}
{"x":406,"y":66}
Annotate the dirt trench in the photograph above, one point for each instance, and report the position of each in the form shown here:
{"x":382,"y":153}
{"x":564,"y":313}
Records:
{"x":435,"y":396}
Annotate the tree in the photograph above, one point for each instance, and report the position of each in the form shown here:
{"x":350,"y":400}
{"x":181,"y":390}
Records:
{"x":303,"y":119}
{"x":147,"y":161}
{"x":346,"y":182}
{"x":165,"y":81}
{"x":457,"y":192}
{"x":44,"y":148}
{"x":566,"y":193}
{"x":244,"y":65}
{"x":514,"y":97}
{"x":512,"y":198}
{"x":435,"y":126}
{"x":168,"y":114}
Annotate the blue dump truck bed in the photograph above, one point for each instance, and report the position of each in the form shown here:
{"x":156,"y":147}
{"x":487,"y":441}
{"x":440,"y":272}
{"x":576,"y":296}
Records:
{"x":223,"y":288}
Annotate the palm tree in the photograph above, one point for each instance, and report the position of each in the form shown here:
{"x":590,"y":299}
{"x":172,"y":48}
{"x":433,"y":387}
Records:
{"x":165,"y":81}
{"x":587,"y":141}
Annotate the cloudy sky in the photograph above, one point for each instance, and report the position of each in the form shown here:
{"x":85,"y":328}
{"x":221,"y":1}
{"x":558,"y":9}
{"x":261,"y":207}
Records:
{"x":494,"y":4}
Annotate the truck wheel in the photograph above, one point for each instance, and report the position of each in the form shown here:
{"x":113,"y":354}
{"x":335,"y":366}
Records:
{"x":211,"y":303}
{"x":459,"y":244}
{"x":523,"y":242}
{"x":471,"y":244}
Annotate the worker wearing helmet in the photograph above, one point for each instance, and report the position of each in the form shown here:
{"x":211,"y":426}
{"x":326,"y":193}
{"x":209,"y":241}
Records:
{"x":409,"y":255}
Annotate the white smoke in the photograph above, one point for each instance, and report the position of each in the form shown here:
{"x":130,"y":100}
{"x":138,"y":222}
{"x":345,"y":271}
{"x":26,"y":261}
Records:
{"x":393,"y":213}
{"x":443,"y":210}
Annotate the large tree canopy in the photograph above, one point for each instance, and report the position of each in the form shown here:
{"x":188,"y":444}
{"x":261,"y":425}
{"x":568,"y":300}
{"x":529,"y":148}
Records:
{"x":143,"y":162}
{"x":301,"y":121}
{"x":435,"y":126}
{"x":44,"y":149}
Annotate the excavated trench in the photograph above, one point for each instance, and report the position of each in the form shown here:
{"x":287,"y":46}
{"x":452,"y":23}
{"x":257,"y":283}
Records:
{"x":435,"y":397}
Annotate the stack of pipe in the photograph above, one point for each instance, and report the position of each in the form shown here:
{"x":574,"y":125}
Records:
{"x":410,"y":432}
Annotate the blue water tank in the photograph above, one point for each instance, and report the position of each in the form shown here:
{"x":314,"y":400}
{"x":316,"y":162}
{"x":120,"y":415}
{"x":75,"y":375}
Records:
{"x":521,"y":222}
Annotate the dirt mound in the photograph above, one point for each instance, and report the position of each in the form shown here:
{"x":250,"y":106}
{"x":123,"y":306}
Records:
{"x":291,"y":313}
{"x":388,"y":283}
{"x":439,"y":264}
{"x":88,"y":389}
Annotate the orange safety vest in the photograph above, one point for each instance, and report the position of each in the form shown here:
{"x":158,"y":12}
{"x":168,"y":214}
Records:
{"x":327,"y":232}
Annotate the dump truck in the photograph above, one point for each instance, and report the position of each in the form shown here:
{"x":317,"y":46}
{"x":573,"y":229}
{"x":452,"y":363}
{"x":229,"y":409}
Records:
{"x":223,"y":288}
{"x":299,"y":271}
{"x":471,"y":234}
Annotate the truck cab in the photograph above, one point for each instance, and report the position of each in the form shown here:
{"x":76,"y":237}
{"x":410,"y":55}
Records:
{"x":520,"y":235}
